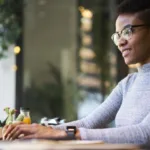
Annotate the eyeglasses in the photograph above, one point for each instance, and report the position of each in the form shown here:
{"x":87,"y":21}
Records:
{"x":126,"y":33}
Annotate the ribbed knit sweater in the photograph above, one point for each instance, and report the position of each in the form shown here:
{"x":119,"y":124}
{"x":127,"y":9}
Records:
{"x":128,"y":105}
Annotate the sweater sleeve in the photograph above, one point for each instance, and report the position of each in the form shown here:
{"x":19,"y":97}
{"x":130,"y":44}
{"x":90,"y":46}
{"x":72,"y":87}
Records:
{"x":101,"y":116}
{"x":137,"y":134}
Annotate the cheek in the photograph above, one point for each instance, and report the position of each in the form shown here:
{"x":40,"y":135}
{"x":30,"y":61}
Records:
{"x":145,"y":40}
{"x":145,"y":43}
{"x":141,"y":48}
{"x":140,"y":43}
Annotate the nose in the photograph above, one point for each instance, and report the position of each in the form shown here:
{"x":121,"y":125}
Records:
{"x":121,"y":42}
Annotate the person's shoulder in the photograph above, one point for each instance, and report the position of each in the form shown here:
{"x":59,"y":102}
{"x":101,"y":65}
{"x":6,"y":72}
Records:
{"x":128,"y":81}
{"x":129,"y":78}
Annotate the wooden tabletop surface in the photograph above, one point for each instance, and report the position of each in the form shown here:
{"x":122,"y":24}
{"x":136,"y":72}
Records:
{"x":63,"y":145}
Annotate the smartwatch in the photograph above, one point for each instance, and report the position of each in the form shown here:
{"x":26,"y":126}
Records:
{"x":71,"y":131}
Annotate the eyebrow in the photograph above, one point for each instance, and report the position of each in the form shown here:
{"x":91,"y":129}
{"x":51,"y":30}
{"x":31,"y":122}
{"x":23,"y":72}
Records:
{"x":126,"y":26}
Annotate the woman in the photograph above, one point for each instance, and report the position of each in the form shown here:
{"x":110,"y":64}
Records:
{"x":129,"y":102}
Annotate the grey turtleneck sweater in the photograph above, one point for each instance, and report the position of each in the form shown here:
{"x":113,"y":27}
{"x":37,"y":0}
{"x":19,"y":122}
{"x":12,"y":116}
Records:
{"x":128,"y":105}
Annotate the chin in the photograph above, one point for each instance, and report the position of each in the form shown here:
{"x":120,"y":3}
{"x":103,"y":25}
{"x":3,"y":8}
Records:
{"x":129,"y":62}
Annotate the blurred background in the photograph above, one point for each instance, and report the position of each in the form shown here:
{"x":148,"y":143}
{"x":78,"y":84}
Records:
{"x":57,"y":57}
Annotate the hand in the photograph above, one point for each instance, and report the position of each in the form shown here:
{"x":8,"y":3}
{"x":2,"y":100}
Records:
{"x":15,"y":131}
{"x":0,"y":133}
{"x":7,"y":128}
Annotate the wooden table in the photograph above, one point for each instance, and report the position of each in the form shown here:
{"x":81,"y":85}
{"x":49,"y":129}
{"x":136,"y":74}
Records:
{"x":64,"y":145}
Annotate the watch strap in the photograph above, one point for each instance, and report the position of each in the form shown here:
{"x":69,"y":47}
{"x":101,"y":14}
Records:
{"x":71,"y":131}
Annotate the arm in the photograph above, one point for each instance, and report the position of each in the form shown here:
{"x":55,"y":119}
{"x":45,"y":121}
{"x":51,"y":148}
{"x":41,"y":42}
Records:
{"x":97,"y":119}
{"x":138,"y":134}
{"x":103,"y":115}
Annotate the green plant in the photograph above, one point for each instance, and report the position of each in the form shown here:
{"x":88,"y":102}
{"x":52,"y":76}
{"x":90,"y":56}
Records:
{"x":10,"y":23}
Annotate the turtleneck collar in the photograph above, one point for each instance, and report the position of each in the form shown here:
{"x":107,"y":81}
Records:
{"x":144,"y":68}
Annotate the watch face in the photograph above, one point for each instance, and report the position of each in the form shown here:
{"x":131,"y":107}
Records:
{"x":71,"y":129}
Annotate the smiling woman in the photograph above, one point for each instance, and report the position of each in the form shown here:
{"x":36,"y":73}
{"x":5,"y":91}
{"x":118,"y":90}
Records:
{"x":133,"y":40}
{"x":128,"y":104}
{"x":126,"y":32}
{"x":134,"y":25}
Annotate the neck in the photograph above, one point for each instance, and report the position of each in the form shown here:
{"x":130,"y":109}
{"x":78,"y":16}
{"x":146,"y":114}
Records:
{"x":144,"y":67}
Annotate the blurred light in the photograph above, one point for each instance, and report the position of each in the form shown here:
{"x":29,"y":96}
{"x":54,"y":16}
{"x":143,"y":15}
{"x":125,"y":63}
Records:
{"x":14,"y":67}
{"x":81,"y":9}
{"x":86,"y":24}
{"x":107,"y":84}
{"x":87,"y":13}
{"x":89,"y":82}
{"x":17,"y":49}
{"x":87,"y":53}
{"x":113,"y":58}
{"x":87,"y":67}
{"x":113,"y":71}
{"x":86,"y":40}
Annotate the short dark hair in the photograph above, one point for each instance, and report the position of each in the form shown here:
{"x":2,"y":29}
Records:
{"x":139,"y":7}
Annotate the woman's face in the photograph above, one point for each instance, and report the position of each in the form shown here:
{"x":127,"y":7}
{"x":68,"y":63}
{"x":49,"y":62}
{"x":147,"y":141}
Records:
{"x":137,"y":48}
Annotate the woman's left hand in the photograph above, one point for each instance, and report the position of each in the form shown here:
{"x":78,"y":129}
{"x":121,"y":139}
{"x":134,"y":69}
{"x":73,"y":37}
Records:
{"x":28,"y":131}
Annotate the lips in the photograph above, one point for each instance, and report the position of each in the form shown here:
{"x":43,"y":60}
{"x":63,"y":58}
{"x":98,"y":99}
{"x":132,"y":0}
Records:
{"x":125,"y":52}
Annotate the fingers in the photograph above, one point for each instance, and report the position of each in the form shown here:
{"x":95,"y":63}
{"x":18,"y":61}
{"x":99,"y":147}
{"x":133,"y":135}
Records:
{"x":8,"y":128}
{"x":3,"y":131}
{"x":20,"y":131}
{"x":13,"y":131}
{"x":29,"y":131}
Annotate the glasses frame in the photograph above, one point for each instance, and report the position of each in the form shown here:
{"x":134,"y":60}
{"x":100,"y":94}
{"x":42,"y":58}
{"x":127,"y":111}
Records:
{"x":126,"y":27}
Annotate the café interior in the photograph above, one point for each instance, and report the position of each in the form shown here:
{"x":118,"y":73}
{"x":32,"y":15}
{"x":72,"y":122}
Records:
{"x":58,"y":63}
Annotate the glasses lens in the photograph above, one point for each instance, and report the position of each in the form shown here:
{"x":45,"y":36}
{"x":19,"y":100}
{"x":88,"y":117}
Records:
{"x":127,"y":33}
{"x":115,"y":37}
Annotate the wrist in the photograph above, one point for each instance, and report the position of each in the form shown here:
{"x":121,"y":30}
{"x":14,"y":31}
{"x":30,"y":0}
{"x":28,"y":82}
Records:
{"x":77,"y":135}
{"x":73,"y":133}
{"x":60,"y":134}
